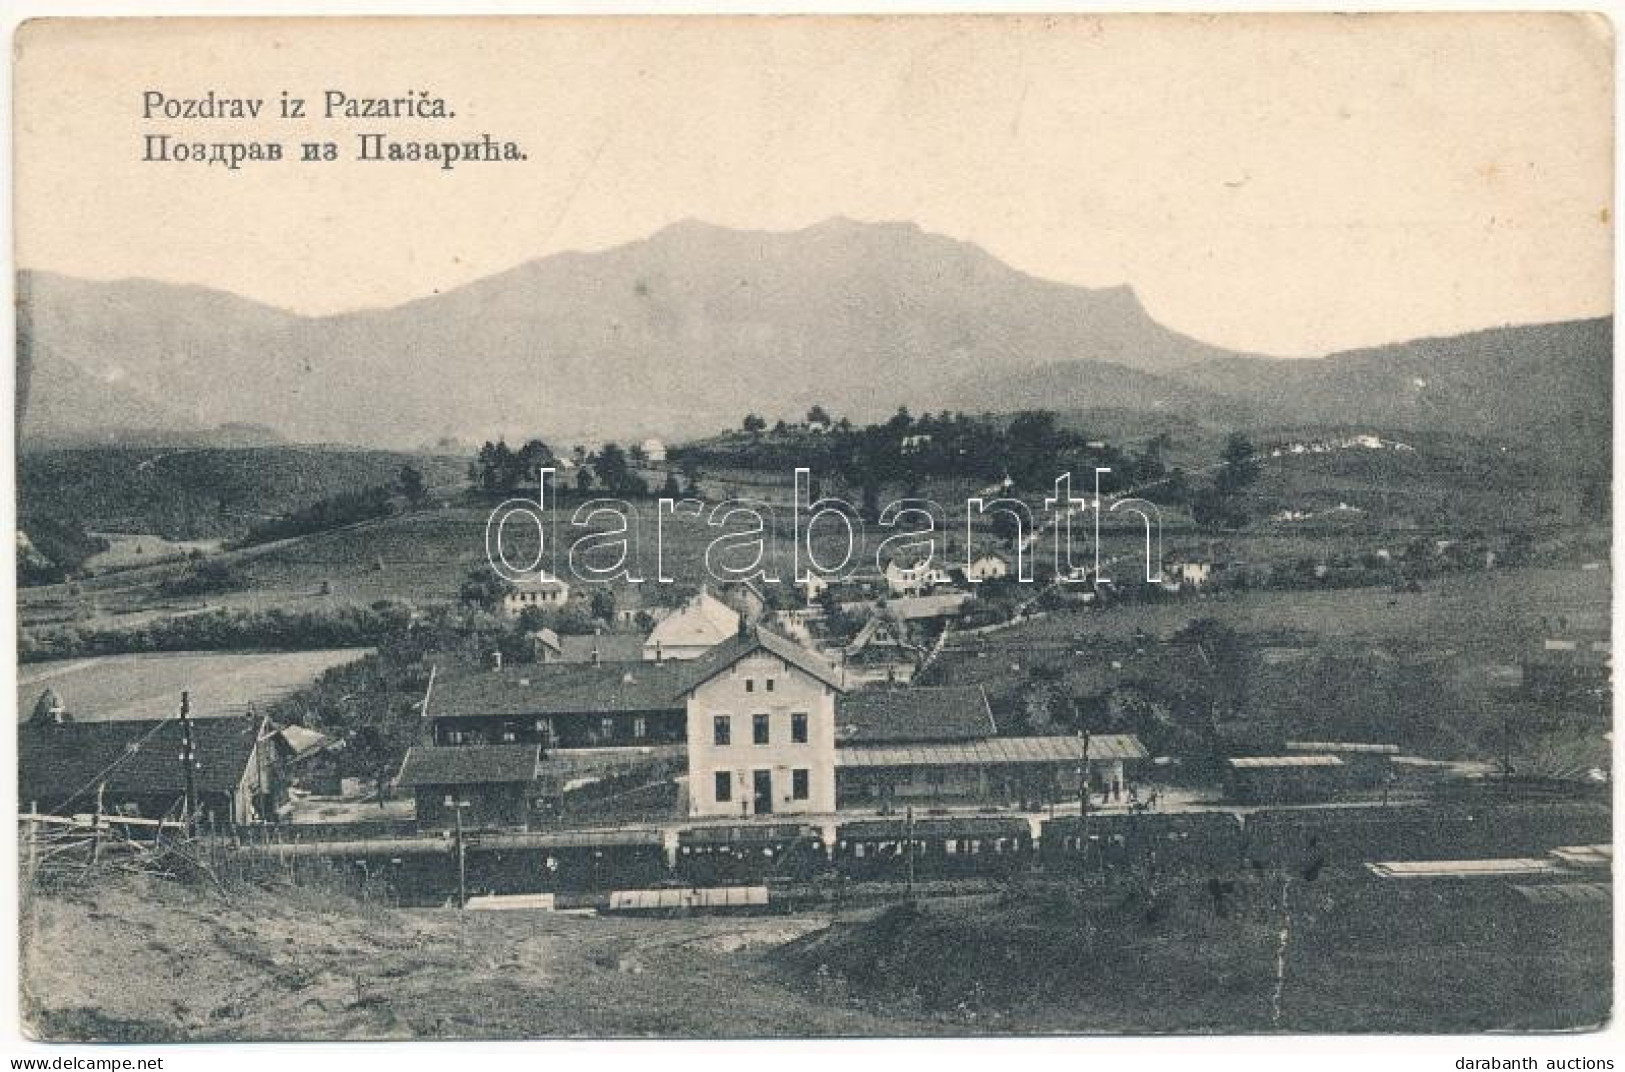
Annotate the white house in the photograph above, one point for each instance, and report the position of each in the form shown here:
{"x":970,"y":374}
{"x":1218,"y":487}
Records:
{"x":543,"y":590}
{"x":913,"y":444}
{"x":987,"y":567}
{"x":812,"y":586}
{"x":1191,"y":574}
{"x":694,"y":629}
{"x":915,"y":578}
{"x":761,"y":729}
{"x":654,"y":450}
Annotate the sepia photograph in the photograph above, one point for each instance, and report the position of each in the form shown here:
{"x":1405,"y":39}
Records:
{"x":813,"y":527}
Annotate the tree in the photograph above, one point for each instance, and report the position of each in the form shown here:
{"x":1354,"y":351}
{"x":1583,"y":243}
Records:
{"x":670,"y":489}
{"x":613,"y":471}
{"x":1241,"y":464}
{"x":871,"y":502}
{"x":637,"y":454}
{"x":1212,"y":509}
{"x":410,"y":483}
{"x":495,"y":465}
{"x":754,"y":424}
{"x":528,"y":464}
{"x":1033,"y":443}
{"x":817,"y":415}
{"x":603,"y":604}
{"x":499,"y":469}
{"x":583,"y":479}
{"x":483,"y":588}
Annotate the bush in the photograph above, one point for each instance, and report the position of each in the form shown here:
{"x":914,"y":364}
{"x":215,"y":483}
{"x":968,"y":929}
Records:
{"x":204,"y":578}
{"x":345,"y":508}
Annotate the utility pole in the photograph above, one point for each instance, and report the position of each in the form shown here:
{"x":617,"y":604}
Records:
{"x":462,"y":870}
{"x":188,"y":762}
{"x":33,"y":839}
{"x":96,"y":826}
{"x":1083,"y":812}
{"x":908,"y":848}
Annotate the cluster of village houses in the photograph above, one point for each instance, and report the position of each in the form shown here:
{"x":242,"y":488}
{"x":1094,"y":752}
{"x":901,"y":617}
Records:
{"x":754,"y":722}
{"x":744,"y":720}
{"x":726,"y":699}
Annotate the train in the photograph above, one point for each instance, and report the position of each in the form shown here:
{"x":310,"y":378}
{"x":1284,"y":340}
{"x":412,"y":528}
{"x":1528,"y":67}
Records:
{"x":748,"y":853}
{"x":424,"y":870}
{"x":892,"y":849}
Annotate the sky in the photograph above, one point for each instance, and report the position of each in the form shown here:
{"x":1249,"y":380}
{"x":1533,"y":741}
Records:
{"x":1288,"y":184}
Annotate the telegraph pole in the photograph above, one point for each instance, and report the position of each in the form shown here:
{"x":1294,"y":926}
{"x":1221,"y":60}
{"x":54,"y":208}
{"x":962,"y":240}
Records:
{"x":188,"y":761}
{"x":462,"y":871}
{"x":1083,"y":812}
{"x":908,"y":848}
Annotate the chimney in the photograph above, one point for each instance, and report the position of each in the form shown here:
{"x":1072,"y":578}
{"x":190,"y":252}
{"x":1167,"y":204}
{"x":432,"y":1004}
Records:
{"x":496,"y":660}
{"x":595,"y":654}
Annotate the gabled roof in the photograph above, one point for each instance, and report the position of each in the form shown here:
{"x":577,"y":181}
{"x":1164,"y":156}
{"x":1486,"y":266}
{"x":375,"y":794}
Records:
{"x":541,"y":581}
{"x":297,"y":742}
{"x":469,"y":764}
{"x":610,"y":648}
{"x":137,"y":757}
{"x":703,"y":621}
{"x":560,"y":689}
{"x":922,"y":608}
{"x":608,"y":688}
{"x":913,"y":564}
{"x":726,"y":654}
{"x":884,"y":716}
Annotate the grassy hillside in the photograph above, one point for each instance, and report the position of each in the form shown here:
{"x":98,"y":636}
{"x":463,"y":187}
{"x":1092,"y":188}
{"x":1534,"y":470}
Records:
{"x":194,"y":493}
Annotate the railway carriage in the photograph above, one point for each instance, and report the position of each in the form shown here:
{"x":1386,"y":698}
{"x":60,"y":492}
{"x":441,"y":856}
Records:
{"x":743,"y":854}
{"x":516,"y":863}
{"x":1300,"y":838}
{"x":1184,"y":841}
{"x":885,"y":849}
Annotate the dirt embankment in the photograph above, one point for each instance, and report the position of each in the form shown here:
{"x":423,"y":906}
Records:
{"x":143,"y":959}
{"x":1244,"y":955}
{"x":139,"y":959}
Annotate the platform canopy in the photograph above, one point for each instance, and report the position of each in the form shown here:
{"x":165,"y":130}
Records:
{"x":993,"y":751}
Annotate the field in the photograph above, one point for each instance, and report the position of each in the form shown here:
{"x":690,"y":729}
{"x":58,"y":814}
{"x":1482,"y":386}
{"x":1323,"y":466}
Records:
{"x":1490,"y":611}
{"x":1432,"y":671}
{"x":149,"y":686}
{"x":1448,"y":487}
{"x":126,"y":551}
{"x":422,"y":557}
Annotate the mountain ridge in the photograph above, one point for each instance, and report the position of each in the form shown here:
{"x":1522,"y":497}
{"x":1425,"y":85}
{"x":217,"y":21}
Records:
{"x":678,"y":333}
